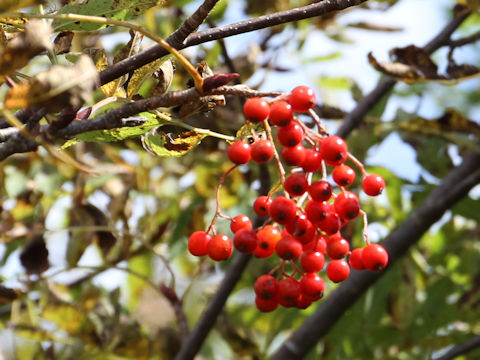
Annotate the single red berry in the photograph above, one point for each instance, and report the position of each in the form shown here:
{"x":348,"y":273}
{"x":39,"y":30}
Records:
{"x":266,"y":287}
{"x":294,"y":155}
{"x":256,"y":109}
{"x":317,"y":210}
{"x":374,"y":257}
{"x":312,"y":285}
{"x":283,"y":210}
{"x":288,"y":248}
{"x":290,"y":135}
{"x":312,"y":261}
{"x":289,"y":291}
{"x":220,"y":247}
{"x":262,"y":150}
{"x":320,"y":190}
{"x":355,"y":259}
{"x":312,"y":161}
{"x":347,"y":205}
{"x":267,"y":239}
{"x":296,"y":184}
{"x":245,"y":240}
{"x":321,"y":245}
{"x":343,"y":175}
{"x":338,"y":249}
{"x":240,"y":222}
{"x":304,"y":302}
{"x":373,"y":184}
{"x":302,"y":229}
{"x":334,"y":150}
{"x":239,"y":152}
{"x":281,"y":113}
{"x":302,"y":98}
{"x":338,"y":270}
{"x":197,"y":243}
{"x":261,"y":205}
{"x":331,"y":224}
{"x":266,"y":305}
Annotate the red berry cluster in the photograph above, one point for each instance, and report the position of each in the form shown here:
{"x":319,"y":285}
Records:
{"x":304,"y":223}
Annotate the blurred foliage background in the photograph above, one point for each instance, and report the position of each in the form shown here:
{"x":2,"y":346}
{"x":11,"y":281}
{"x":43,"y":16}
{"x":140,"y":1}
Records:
{"x":83,"y":258}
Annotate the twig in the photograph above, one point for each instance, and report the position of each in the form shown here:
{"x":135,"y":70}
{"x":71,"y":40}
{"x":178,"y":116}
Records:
{"x":461,"y":349}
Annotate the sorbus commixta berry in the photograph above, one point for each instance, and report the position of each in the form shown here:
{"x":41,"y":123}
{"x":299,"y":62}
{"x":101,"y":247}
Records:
{"x":240,"y":222}
{"x":317,"y":210}
{"x":289,"y":291}
{"x":312,"y":285}
{"x":320,"y":190}
{"x":355,"y":259}
{"x":197,"y":243}
{"x":331,"y":224}
{"x":338,"y":249}
{"x":302,"y":98}
{"x":312,"y":161}
{"x":347,"y":205}
{"x":220,"y":247}
{"x":296,"y":184}
{"x":262,"y":150}
{"x":267,"y":239}
{"x":302,"y":229}
{"x":374,"y":257}
{"x":288,"y":248}
{"x":266,"y":287}
{"x":290,"y":135}
{"x":281,"y":113}
{"x":312,"y":261}
{"x":266,"y":305}
{"x":245,"y":240}
{"x":334,"y":150}
{"x":261,"y":205}
{"x":239,"y":152}
{"x":256,"y":109}
{"x":283,"y":210}
{"x":294,"y":155}
{"x":343,"y":175}
{"x":373,"y":184}
{"x":338,"y":270}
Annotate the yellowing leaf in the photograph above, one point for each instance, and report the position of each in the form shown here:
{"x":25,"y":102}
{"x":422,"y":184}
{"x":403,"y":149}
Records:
{"x":166,"y":144}
{"x":142,"y":74}
{"x":12,"y":5}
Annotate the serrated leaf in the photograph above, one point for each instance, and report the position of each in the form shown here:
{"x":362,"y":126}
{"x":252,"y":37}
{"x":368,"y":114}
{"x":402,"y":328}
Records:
{"x":113,"y":9}
{"x":137,"y":125}
{"x":160,"y":143}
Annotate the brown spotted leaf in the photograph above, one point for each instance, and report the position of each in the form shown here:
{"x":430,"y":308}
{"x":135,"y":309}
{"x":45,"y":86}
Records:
{"x":34,"y":256}
{"x":162,"y":144}
{"x":63,"y":42}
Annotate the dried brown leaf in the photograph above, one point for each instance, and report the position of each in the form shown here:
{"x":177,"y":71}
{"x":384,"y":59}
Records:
{"x":63,"y":42}
{"x":34,"y":256}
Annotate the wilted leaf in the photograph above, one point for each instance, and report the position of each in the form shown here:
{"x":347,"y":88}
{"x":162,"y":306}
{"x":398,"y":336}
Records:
{"x":113,"y":9}
{"x":20,"y":50}
{"x":57,"y":88}
{"x":164,"y":75}
{"x":137,"y":125}
{"x":12,"y":5}
{"x":146,"y":71}
{"x":34,"y":256}
{"x":63,"y":42}
{"x":374,"y":27}
{"x":166,"y":144}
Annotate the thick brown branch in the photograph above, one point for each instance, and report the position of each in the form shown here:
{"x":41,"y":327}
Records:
{"x":461,"y":349}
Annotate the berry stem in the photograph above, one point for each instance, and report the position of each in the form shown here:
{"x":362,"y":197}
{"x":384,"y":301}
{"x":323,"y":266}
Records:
{"x":321,"y":128}
{"x":358,"y":163}
{"x":365,"y":227}
{"x":281,"y":170}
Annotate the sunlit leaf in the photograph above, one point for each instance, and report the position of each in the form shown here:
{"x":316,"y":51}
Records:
{"x":160,"y":143}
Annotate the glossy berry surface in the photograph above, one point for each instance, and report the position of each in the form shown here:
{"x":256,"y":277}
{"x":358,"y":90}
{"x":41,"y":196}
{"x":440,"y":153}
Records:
{"x":343,"y":175}
{"x":302,"y":98}
{"x":338,"y":270}
{"x":197,"y":243}
{"x":267,"y":239}
{"x":266,"y":287}
{"x":281,"y":113}
{"x":294,"y":155}
{"x":239,"y":152}
{"x":312,"y":261}
{"x":355,"y":259}
{"x":312,"y":285}
{"x":262,"y":150}
{"x":261,"y":205}
{"x":256,"y":109}
{"x":283,"y":210}
{"x":373,"y":184}
{"x":312,"y":161}
{"x":290,"y":135}
{"x":320,"y":190}
{"x":289,"y":291}
{"x":338,"y":249}
{"x":245,"y":241}
{"x":220,"y":247}
{"x":266,"y":305}
{"x":288,"y":248}
{"x":296,"y":184}
{"x":240,"y":222}
{"x":334,"y":150}
{"x":347,"y":205}
{"x":374,"y":257}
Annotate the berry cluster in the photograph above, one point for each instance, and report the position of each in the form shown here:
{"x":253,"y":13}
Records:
{"x":303,"y":224}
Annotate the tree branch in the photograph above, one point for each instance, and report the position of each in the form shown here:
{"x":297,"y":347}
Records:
{"x":155,"y":52}
{"x":453,"y":188}
{"x":461,"y":349}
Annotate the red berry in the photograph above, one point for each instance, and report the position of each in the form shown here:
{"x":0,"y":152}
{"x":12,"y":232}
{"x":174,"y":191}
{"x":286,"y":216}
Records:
{"x":256,"y":109}
{"x":245,"y":241}
{"x":289,"y":291}
{"x":283,"y":210}
{"x":312,"y":261}
{"x":281,"y":113}
{"x":296,"y":184}
{"x":266,"y":305}
{"x":317,"y":210}
{"x":334,"y":150}
{"x":288,"y":248}
{"x":312,"y":161}
{"x":197,"y":243}
{"x":304,"y":302}
{"x":321,"y":245}
{"x":373,"y":184}
{"x":220,"y":247}
{"x":343,"y":175}
{"x":331,"y":224}
{"x":261,"y":205}
{"x":267,"y":239}
{"x":262,"y":150}
{"x":302,"y":98}
{"x":290,"y":135}
{"x":338,"y":249}
{"x":294,"y":155}
{"x":320,"y":190}
{"x":266,"y":287}
{"x":302,"y":229}
{"x":355,"y":259}
{"x":374,"y":257}
{"x":347,"y":205}
{"x":239,"y":152}
{"x":312,"y":285}
{"x":240,"y":222}
{"x":338,"y":270}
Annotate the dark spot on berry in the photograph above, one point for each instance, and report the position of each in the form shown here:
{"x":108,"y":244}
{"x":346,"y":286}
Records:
{"x":264,"y":245}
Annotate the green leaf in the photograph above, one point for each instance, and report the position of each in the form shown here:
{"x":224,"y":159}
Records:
{"x":113,"y":9}
{"x":142,"y":74}
{"x":160,"y":143}
{"x":146,"y":121}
